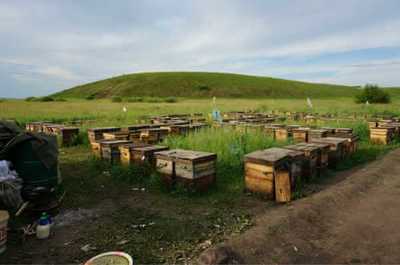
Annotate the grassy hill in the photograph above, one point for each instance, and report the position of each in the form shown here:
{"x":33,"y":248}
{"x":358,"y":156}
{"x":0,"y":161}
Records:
{"x":203,"y":84}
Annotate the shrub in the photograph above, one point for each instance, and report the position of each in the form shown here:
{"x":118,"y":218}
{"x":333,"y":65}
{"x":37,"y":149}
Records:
{"x":135,"y":99}
{"x":46,"y":99}
{"x":60,"y":99}
{"x":90,"y":97}
{"x":29,"y":99}
{"x":171,"y":99}
{"x":116,"y":99}
{"x":372,"y":94}
{"x":203,"y":88}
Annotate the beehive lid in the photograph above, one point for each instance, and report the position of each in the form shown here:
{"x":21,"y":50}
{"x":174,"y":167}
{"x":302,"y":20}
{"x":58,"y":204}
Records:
{"x":271,"y":156}
{"x":293,"y":154}
{"x":344,"y":130}
{"x":304,"y":147}
{"x":189,"y":155}
{"x":69,"y":128}
{"x":321,"y":146}
{"x":148,"y":148}
{"x":115,"y":142}
{"x":318,"y":131}
{"x":138,"y":127}
{"x":134,"y":145}
{"x":301,"y":129}
{"x":117,"y":133}
{"x":330,"y":140}
{"x":103,"y":129}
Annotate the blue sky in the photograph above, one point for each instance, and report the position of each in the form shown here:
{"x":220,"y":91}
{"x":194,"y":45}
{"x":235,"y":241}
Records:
{"x":47,"y":46}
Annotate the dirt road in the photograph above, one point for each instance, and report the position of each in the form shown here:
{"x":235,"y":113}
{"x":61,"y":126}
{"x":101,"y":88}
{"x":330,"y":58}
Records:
{"x":354,"y":221}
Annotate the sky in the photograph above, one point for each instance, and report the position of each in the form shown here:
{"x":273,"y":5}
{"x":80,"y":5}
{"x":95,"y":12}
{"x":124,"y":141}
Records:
{"x":48,"y":46}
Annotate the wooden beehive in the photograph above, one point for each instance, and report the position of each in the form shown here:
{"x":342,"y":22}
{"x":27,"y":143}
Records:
{"x":372,"y":124}
{"x":165,"y":165}
{"x":195,"y":170}
{"x":300,"y":135}
{"x":330,"y":131}
{"x":382,"y":135}
{"x":68,"y":135}
{"x":125,"y":150}
{"x":120,"y":135}
{"x":323,"y":159}
{"x":178,"y":129}
{"x":316,"y":134}
{"x":96,"y":148}
{"x":145,"y":154}
{"x":195,"y":127}
{"x":312,"y":154}
{"x":282,"y":134}
{"x":261,"y":170}
{"x":153,"y":135}
{"x":110,"y":150}
{"x":336,"y":148}
{"x":296,"y":166}
{"x":192,"y":169}
{"x":95,"y":134}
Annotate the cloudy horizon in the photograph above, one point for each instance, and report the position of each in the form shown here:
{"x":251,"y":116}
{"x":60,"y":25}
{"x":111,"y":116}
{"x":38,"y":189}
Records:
{"x":47,"y":46}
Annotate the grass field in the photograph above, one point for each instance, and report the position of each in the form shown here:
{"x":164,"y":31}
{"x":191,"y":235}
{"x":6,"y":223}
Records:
{"x":183,"y":221}
{"x":105,"y":112}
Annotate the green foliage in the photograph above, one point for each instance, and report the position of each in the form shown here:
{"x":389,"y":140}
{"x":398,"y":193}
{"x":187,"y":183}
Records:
{"x":90,"y":97}
{"x":134,"y":99}
{"x":203,"y":84}
{"x":171,"y":100}
{"x":30,"y":99}
{"x":116,"y":99}
{"x":372,"y":94}
{"x":60,"y":99}
{"x":46,"y":99}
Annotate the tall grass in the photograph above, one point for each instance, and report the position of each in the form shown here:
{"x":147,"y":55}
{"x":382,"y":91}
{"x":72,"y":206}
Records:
{"x":230,"y":146}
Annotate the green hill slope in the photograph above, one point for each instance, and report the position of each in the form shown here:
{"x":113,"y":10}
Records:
{"x":202,"y":84}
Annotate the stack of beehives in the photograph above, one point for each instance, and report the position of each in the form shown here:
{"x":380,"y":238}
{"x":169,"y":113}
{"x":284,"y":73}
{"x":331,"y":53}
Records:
{"x":277,"y":172}
{"x":384,"y":131}
{"x":67,"y":134}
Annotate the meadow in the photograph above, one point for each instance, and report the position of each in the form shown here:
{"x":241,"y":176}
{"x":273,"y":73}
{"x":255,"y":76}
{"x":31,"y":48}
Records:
{"x":183,"y":221}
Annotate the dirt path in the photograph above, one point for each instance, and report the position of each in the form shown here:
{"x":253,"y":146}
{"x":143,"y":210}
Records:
{"x":355,"y":220}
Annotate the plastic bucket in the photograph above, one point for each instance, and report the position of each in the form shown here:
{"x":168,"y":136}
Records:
{"x":4,"y":216}
{"x":111,"y":258}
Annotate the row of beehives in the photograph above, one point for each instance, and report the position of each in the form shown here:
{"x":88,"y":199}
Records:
{"x":143,"y":133}
{"x":193,"y":169}
{"x":277,"y":173}
{"x":66,"y":133}
{"x":384,"y":131}
{"x":174,"y":118}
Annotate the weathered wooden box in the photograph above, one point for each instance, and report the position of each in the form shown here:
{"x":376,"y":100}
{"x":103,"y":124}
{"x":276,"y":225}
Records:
{"x":316,"y":134}
{"x":177,"y":129}
{"x":263,"y":168}
{"x":96,"y":148}
{"x":68,"y":135}
{"x":312,"y":156}
{"x":300,"y":135}
{"x":120,"y":135}
{"x":382,"y":135}
{"x":153,"y":135}
{"x":145,"y":154}
{"x":125,"y":150}
{"x":323,"y":160}
{"x":372,"y":124}
{"x":95,"y":134}
{"x":193,"y":169}
{"x":51,"y":129}
{"x":282,"y":134}
{"x":336,"y":149}
{"x":296,"y":167}
{"x":110,"y":150}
